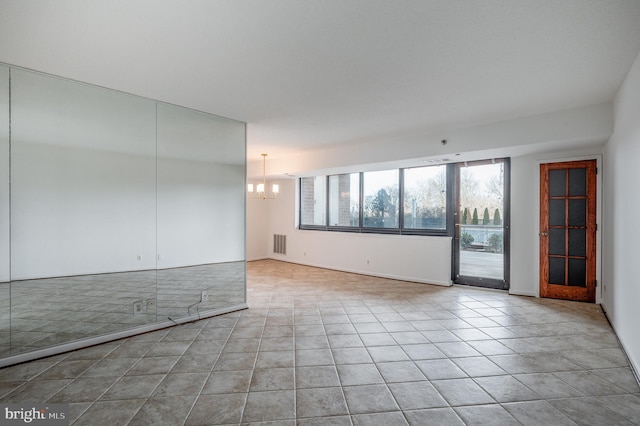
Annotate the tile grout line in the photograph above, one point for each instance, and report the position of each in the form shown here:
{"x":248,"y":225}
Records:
{"x":204,"y":383}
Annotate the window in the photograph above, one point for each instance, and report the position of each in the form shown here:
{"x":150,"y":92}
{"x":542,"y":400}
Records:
{"x":412,"y":201}
{"x":381,"y":208}
{"x":344,"y":200}
{"x":313,"y":201}
{"x":425,"y":198}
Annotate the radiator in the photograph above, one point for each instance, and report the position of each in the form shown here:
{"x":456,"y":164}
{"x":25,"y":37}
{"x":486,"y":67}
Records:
{"x":279,"y":244}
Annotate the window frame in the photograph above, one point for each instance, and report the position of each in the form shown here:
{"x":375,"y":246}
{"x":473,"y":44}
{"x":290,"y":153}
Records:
{"x":313,"y":226}
{"x":399,"y":230}
{"x":343,"y":228}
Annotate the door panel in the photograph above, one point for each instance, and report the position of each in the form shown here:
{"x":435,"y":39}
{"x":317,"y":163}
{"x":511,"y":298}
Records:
{"x":568,"y":230}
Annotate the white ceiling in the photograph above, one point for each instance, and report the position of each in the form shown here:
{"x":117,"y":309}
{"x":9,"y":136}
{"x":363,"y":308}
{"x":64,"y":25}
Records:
{"x":305,"y":74}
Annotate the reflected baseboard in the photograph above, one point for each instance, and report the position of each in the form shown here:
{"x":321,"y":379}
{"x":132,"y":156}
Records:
{"x":92,"y":341}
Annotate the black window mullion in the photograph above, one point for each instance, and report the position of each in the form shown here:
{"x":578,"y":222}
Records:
{"x":451,"y":199}
{"x":401,"y":200}
{"x":326,"y":203}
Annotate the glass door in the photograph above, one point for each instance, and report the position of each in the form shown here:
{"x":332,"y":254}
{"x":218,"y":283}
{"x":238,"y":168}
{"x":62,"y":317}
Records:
{"x":481,"y":217}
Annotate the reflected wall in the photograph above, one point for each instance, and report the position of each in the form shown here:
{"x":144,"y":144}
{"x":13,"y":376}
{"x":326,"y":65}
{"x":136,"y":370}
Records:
{"x":119,"y":214}
{"x":201,"y":175}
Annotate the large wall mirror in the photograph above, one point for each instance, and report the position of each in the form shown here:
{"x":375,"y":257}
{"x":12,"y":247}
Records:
{"x":118,"y":214}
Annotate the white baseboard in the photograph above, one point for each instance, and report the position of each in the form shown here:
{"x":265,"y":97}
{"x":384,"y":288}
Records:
{"x":368,"y":273}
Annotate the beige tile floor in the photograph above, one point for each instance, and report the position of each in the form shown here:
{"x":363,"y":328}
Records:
{"x":320,"y":347}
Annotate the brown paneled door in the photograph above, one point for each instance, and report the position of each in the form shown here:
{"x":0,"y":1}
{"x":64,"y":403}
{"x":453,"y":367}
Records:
{"x":568,"y":230}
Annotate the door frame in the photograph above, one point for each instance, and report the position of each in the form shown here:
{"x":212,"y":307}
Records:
{"x":487,"y":283}
{"x":536,"y":240}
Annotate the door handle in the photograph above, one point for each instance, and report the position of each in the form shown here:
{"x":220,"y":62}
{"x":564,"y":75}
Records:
{"x":543,"y":234}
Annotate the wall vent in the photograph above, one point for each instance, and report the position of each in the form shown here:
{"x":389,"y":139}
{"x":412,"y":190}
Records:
{"x":279,"y":244}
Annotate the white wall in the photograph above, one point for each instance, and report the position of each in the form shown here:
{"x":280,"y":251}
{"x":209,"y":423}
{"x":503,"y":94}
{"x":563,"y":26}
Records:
{"x":257,"y":244}
{"x":621,"y":229}
{"x":199,"y":213}
{"x":78,"y":211}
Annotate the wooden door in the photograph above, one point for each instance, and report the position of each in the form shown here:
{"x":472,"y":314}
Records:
{"x":568,"y":230}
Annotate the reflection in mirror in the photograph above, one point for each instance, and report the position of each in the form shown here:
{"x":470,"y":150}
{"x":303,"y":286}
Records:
{"x":83,"y":211}
{"x":126,"y":214}
{"x":5,"y":320}
{"x":201,"y":174}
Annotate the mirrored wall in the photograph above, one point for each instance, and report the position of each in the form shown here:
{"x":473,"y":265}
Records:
{"x":118,"y":214}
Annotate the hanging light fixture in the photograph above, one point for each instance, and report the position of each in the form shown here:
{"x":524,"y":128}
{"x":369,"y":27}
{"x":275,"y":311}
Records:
{"x":260,"y":188}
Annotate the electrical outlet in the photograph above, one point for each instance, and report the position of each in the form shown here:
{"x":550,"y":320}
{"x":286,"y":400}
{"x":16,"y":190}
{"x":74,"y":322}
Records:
{"x":139,"y":258}
{"x":138,"y":307}
{"x":150,"y":305}
{"x":204,"y":296}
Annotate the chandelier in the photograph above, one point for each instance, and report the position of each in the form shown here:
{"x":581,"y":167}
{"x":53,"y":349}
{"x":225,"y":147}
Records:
{"x":260,"y":188}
